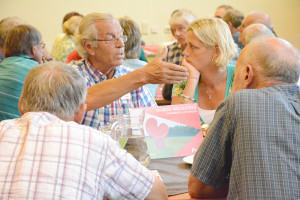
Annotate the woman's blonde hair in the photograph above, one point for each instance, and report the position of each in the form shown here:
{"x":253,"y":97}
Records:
{"x":214,"y":32}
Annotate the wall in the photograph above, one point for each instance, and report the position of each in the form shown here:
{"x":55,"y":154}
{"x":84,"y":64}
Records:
{"x":46,"y":15}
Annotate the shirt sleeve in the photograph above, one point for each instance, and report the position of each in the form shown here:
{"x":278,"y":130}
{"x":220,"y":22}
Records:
{"x":145,"y":97}
{"x":125,"y":177}
{"x":212,"y":161}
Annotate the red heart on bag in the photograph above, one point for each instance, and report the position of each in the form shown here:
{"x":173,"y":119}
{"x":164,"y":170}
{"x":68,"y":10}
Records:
{"x":156,"y":132}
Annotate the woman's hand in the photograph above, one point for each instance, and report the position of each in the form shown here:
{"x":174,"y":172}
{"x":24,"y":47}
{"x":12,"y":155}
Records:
{"x":193,"y":72}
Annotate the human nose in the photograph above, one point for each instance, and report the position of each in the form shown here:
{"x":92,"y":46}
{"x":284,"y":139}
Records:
{"x":185,"y":52}
{"x":177,"y":32}
{"x":119,"y":42}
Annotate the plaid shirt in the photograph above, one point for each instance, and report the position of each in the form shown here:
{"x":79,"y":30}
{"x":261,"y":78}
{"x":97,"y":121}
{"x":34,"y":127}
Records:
{"x":137,"y":98}
{"x":254,"y":137}
{"x":174,"y":54}
{"x":43,"y":157}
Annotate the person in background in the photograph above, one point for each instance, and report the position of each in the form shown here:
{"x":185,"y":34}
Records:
{"x":256,"y":17}
{"x":64,"y":44}
{"x":133,"y":48}
{"x":6,"y":25}
{"x":100,"y":41}
{"x":256,"y":31}
{"x":252,"y":147}
{"x":179,"y":22}
{"x":23,"y":51}
{"x":234,"y":19}
{"x":221,"y":10}
{"x":61,"y":159}
{"x":209,"y":49}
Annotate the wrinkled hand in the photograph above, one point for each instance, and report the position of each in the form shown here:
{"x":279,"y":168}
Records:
{"x":159,"y":72}
{"x":193,"y":72}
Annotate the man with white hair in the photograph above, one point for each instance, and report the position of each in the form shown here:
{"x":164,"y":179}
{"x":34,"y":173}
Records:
{"x":251,"y":150}
{"x":46,"y":155}
{"x":100,"y":41}
{"x":256,"y":17}
{"x":179,"y":21}
{"x":254,"y":32}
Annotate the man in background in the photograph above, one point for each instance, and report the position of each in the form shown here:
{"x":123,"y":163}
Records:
{"x":6,"y":25}
{"x":46,"y":155}
{"x":179,"y":21}
{"x":256,"y":17}
{"x":221,"y":10}
{"x":252,"y":146}
{"x":234,"y":18}
{"x":23,"y":50}
{"x":256,"y":31}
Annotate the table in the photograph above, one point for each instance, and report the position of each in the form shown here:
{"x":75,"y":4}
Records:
{"x":174,"y":173}
{"x":162,"y":101}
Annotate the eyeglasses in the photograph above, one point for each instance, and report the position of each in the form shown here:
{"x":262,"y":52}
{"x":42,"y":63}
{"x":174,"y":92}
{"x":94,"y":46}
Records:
{"x":114,"y":39}
{"x":42,"y":44}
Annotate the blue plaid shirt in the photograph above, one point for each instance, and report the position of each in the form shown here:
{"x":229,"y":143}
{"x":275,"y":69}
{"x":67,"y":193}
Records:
{"x":99,"y":117}
{"x":254,"y":137}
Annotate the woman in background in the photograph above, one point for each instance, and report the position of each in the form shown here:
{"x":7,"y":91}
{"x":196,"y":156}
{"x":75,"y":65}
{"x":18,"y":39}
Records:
{"x":64,"y":44}
{"x":209,"y":49}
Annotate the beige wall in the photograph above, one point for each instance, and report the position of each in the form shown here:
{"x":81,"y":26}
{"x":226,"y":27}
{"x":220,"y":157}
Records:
{"x":46,"y":15}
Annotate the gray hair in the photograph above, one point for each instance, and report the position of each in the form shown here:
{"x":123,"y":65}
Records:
{"x":214,"y":32}
{"x":20,"y":40}
{"x":88,"y":31}
{"x":182,"y":16}
{"x":71,"y":25}
{"x":256,"y":31}
{"x":6,"y":25}
{"x":133,"y":43}
{"x":233,"y":16}
{"x":53,"y":87}
{"x":278,"y":59}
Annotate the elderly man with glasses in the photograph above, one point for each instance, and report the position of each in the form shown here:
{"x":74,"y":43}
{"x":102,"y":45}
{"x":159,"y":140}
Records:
{"x":23,"y":50}
{"x":100,"y":41}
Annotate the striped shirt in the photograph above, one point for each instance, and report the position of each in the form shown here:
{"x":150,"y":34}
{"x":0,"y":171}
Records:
{"x":99,"y":117}
{"x":254,"y":137}
{"x":43,"y":157}
{"x":13,"y":71}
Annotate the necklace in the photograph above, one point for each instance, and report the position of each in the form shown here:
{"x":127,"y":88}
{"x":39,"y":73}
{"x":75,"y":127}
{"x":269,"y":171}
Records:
{"x":208,"y":94}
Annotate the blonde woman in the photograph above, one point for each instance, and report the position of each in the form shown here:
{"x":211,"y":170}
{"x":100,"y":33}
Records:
{"x":209,"y":49}
{"x":64,"y":44}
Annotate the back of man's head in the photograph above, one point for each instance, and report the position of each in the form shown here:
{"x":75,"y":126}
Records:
{"x":55,"y":88}
{"x":20,"y":40}
{"x":259,"y":17}
{"x":221,"y":10}
{"x":275,"y":59}
{"x":256,"y":31}
{"x":6,"y":25}
{"x":88,"y":31}
{"x":233,"y":16}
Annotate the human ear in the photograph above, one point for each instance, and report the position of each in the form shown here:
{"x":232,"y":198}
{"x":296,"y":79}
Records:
{"x":78,"y":117}
{"x":88,"y":47}
{"x":248,"y":76}
{"x":19,"y":105}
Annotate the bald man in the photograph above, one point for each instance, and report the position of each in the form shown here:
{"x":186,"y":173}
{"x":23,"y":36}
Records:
{"x":256,"y":17}
{"x":252,"y":147}
{"x":256,"y":31}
